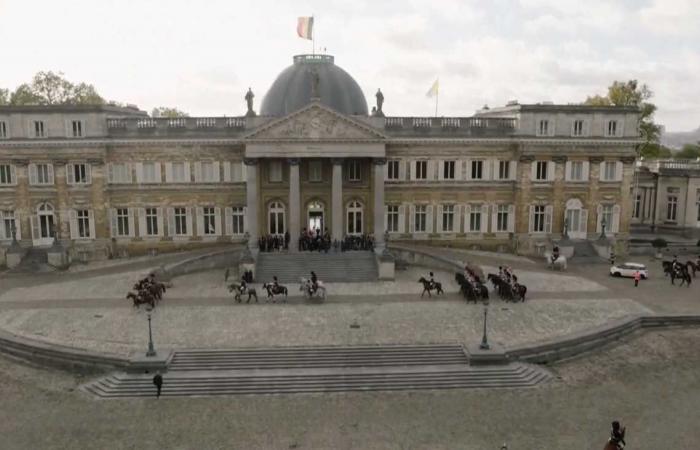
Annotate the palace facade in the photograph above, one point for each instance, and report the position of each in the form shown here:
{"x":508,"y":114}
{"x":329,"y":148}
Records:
{"x":107,"y":181}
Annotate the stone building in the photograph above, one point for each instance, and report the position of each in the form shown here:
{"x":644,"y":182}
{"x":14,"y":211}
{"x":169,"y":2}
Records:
{"x":666,"y":197}
{"x":107,"y":181}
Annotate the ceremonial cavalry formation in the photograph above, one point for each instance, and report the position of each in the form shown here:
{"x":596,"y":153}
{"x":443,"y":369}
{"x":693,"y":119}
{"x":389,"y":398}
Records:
{"x":684,"y":272}
{"x":147,"y":291}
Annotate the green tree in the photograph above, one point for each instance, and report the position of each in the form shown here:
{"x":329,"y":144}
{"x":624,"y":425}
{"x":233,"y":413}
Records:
{"x":630,"y":93}
{"x":655,"y":151}
{"x":4,"y":97}
{"x":168,"y":112}
{"x":689,"y":151}
{"x":49,"y":88}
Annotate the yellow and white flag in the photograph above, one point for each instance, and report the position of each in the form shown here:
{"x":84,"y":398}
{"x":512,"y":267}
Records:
{"x":305,"y":27}
{"x":434,"y":89}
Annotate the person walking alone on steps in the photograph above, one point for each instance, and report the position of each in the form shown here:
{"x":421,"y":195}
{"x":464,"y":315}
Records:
{"x":158,"y":382}
{"x":637,"y":277}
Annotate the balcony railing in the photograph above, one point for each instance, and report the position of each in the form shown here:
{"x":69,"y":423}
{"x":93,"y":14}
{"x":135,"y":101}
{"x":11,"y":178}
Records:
{"x":163,"y":125}
{"x":451,"y":125}
{"x":674,"y":164}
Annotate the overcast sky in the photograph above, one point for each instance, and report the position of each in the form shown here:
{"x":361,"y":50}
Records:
{"x":202,"y":56}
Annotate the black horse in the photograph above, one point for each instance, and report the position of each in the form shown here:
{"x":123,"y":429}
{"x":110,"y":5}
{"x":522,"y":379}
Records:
{"x":240,"y":290}
{"x":472,"y":291}
{"x":273,"y":290}
{"x":427,"y":287}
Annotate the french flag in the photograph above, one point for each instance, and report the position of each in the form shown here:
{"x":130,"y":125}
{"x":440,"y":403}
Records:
{"x":305,"y":26}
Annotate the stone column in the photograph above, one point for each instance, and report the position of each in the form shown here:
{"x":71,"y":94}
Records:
{"x":294,"y":205}
{"x":251,"y":192}
{"x":379,"y":227}
{"x":337,"y":200}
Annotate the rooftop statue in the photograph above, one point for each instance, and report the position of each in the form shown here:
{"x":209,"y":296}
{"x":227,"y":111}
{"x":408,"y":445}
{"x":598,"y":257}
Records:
{"x":380,"y":103}
{"x":249,"y":100}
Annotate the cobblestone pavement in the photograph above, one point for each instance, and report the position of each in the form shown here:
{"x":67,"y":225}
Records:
{"x":649,"y":382}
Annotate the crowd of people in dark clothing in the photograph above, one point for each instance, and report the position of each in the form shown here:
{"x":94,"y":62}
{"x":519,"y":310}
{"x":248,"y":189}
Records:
{"x":273,"y":242}
{"x":316,"y":241}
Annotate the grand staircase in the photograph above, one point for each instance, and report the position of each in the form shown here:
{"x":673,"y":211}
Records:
{"x":321,"y":369}
{"x":330,"y":267}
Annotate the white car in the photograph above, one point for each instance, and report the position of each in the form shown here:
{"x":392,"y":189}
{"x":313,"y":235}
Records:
{"x":628,"y":270}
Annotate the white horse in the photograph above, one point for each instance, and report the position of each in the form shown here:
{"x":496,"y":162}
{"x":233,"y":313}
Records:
{"x":559,"y":263}
{"x":306,"y":286}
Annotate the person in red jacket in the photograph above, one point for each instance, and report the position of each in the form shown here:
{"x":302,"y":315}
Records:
{"x":637,"y":277}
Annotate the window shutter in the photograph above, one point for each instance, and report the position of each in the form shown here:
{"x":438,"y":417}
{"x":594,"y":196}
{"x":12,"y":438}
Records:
{"x":244,"y":172}
{"x":216,"y":167}
{"x":412,"y":219}
{"x":113,"y":222}
{"x":168,"y":172}
{"x":129,"y":175}
{"x":513,"y":170}
{"x":200,"y":221}
{"x":413,"y":169}
{"x":567,"y":171}
{"x":34,"y":222}
{"x":131,"y":223}
{"x":32,"y":174}
{"x":402,"y":219}
{"x":18,"y":226}
{"x":198,"y":172}
{"x":217,"y":221}
{"x":228,"y":220}
{"x":187,"y":172}
{"x":142,"y":222}
{"x":159,"y":221}
{"x":601,"y":173}
{"x":439,"y":219}
{"x":171,"y":221}
{"x":402,"y":170}
{"x":50,"y":170}
{"x":386,"y":217}
{"x":615,"y":227}
{"x":599,"y":225}
{"x":469,"y":169}
{"x":533,"y":171}
{"x":548,"y":213}
{"x":13,"y":175}
{"x":585,"y":170}
{"x":511,"y":218}
{"x":583,"y":221}
{"x":70,"y":174}
{"x":227,"y":171}
{"x":88,"y":173}
{"x":618,"y":171}
{"x":494,"y":218}
{"x":458,"y":219}
{"x":458,"y":170}
{"x":429,"y":219}
{"x":189,"y":213}
{"x":73,"y":224}
{"x":110,"y":173}
{"x":531,"y":226}
{"x":486,"y":174}
{"x":484,"y":218}
{"x":91,"y":220}
{"x":245,"y":219}
{"x":441,"y":171}
{"x":386,"y":174}
{"x":551,"y":170}
{"x":467,"y":222}
{"x":159,"y":178}
{"x":139,"y":172}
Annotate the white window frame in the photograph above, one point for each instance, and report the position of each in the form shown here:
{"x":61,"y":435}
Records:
{"x":73,"y":169}
{"x":574,"y":175}
{"x":542,"y":167}
{"x":612,"y":128}
{"x":82,"y":219}
{"x":354,"y":170}
{"x":578,"y":128}
{"x":76,"y":132}
{"x":393,"y":217}
{"x":544,"y":127}
{"x":672,"y":208}
{"x":4,"y":134}
{"x":9,"y":173}
{"x":502,"y":222}
{"x":276,"y":210}
{"x":38,"y":129}
{"x":123,"y":170}
{"x":153,"y":219}
{"x":353,"y":210}
{"x":540,"y":221}
{"x":420,"y":170}
{"x":508,"y":169}
{"x":237,"y":216}
{"x":210,"y":226}
{"x":393,"y":168}
{"x":448,"y":170}
{"x":420,"y":211}
{"x":449,"y":211}
{"x":181,"y":221}
{"x":34,"y":172}
{"x":478,"y":166}
{"x":8,"y":219}
{"x":177,"y":172}
{"x":123,"y":226}
{"x":207,"y":172}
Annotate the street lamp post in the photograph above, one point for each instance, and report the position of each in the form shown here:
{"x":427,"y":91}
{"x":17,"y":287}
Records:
{"x":151,"y":349}
{"x":602,"y":228}
{"x":484,"y":339}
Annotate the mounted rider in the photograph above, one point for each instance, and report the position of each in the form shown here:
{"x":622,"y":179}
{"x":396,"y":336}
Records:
{"x":555,"y":254}
{"x":431,"y":281}
{"x":314,"y":282}
{"x":275,"y":283}
{"x":617,"y":435}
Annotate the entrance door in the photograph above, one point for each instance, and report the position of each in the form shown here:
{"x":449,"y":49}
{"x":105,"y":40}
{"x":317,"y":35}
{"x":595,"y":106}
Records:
{"x":315,"y":216}
{"x":43,"y":225}
{"x":577,"y":219}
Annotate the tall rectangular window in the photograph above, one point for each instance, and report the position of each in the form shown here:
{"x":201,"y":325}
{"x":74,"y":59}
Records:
{"x":80,"y":173}
{"x":120,"y":173}
{"x":541,"y":173}
{"x":39,"y":129}
{"x":393,"y":169}
{"x":609,"y":170}
{"x":149,"y":172}
{"x":209,"y":218}
{"x":475,"y":218}
{"x":43,"y":174}
{"x":421,"y":219}
{"x":77,"y":127}
{"x":180,"y":221}
{"x":607,"y":215}
{"x":504,"y":170}
{"x":354,"y":170}
{"x":8,"y":224}
{"x":315,"y":171}
{"x":180,"y":172}
{"x":637,"y":206}
{"x":392,"y":218}
{"x":83,"y":222}
{"x":576,"y":171}
{"x":477,"y":170}
{"x":238,"y":220}
{"x":275,"y":171}
{"x":502,"y":218}
{"x":578,"y":128}
{"x":543,"y":129}
{"x":3,"y":129}
{"x":421,"y":170}
{"x":671,"y":208}
{"x":448,"y":218}
{"x":448,"y":170}
{"x":612,"y":128}
{"x":123,"y":222}
{"x":538,"y":218}
{"x":6,"y":174}
{"x":152,"y":222}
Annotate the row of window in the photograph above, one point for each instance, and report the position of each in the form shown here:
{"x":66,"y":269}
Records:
{"x":579,"y":128}
{"x":448,"y":218}
{"x":672,"y":201}
{"x":37,"y":129}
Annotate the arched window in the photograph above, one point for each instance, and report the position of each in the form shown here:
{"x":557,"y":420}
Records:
{"x":276,"y":218}
{"x":354,"y":218}
{"x":43,"y":225}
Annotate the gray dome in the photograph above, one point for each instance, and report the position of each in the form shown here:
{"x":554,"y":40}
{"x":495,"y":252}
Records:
{"x":292,"y":88}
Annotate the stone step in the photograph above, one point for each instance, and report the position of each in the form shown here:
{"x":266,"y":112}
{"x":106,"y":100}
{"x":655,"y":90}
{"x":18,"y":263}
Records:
{"x":330,"y":267}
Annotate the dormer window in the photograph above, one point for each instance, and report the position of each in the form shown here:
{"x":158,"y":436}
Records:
{"x":578,"y":128}
{"x":39,"y":129}
{"x":612,"y":128}
{"x":543,"y":129}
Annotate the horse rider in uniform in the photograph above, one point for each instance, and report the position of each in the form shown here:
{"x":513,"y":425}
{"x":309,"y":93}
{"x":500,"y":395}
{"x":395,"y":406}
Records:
{"x":432,"y":281}
{"x":314,"y":282}
{"x":617,"y":435}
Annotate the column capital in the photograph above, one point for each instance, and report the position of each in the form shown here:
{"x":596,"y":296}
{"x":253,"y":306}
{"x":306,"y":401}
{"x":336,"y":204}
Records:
{"x":595,"y":159}
{"x":95,"y":162}
{"x":527,"y":158}
{"x":379,"y":161}
{"x":628,"y":159}
{"x":250,"y":161}
{"x":293,"y":161}
{"x":337,"y":161}
{"x":59,"y":162}
{"x":20,"y":162}
{"x":559,"y":158}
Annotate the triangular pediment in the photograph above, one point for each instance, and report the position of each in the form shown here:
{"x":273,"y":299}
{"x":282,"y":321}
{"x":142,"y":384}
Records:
{"x":316,"y":122}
